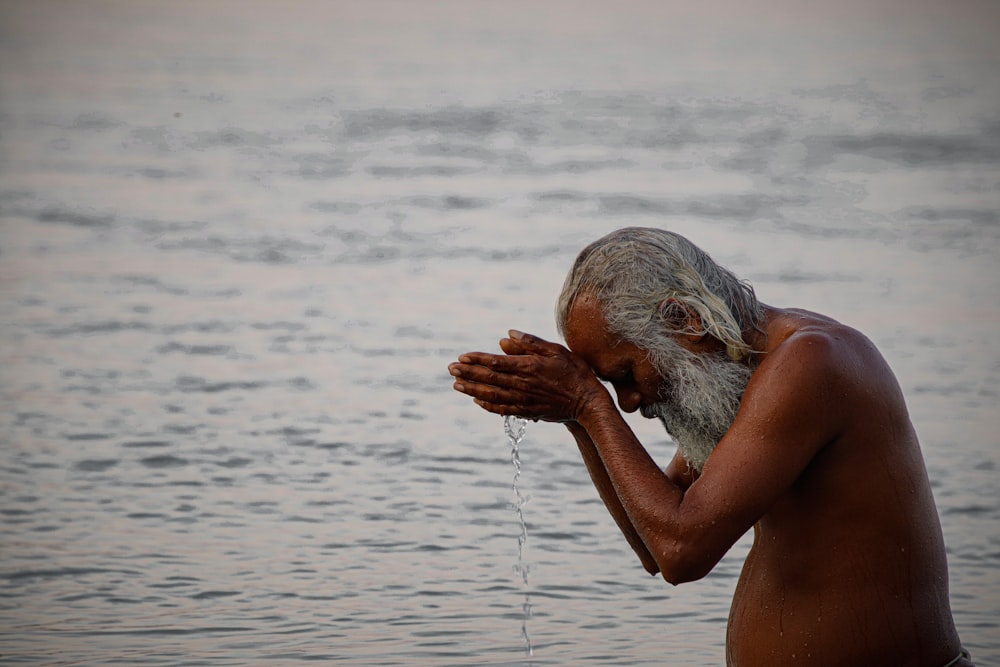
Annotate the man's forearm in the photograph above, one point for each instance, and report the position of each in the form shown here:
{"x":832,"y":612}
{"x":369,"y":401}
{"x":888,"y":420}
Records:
{"x":651,"y":502}
{"x":599,"y":475}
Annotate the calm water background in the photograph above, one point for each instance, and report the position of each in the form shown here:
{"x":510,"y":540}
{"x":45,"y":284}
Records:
{"x":240,"y":242}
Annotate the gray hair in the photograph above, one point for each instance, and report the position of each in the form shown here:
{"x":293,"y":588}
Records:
{"x":632,"y":273}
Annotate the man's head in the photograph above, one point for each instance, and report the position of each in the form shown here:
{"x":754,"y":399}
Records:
{"x":651,"y":280}
{"x":654,"y":291}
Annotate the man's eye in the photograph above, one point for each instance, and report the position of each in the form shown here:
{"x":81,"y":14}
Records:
{"x":622,"y":377}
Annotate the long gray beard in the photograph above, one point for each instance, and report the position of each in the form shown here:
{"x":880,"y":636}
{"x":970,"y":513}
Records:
{"x":700,"y":396}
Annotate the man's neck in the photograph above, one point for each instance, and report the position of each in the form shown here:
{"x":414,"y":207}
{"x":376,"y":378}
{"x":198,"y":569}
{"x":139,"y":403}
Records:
{"x":763,"y":340}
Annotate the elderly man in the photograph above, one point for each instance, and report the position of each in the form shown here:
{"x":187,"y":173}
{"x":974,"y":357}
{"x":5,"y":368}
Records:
{"x":785,"y":420}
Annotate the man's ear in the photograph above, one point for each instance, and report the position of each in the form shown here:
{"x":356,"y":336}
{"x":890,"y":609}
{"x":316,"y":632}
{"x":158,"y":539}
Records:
{"x":682,"y":319}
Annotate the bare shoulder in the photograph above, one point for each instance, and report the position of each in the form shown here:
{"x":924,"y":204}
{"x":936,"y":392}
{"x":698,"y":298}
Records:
{"x":817,"y":378}
{"x":822,"y":347}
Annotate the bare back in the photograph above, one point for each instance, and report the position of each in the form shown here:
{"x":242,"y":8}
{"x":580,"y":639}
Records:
{"x":848,"y":565}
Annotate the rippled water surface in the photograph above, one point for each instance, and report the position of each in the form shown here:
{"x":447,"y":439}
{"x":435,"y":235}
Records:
{"x":240,"y":242}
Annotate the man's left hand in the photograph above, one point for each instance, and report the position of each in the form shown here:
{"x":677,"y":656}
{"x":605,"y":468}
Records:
{"x":535,"y":379}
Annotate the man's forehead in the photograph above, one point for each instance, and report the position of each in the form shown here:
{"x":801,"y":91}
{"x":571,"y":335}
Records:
{"x":587,"y":306}
{"x":586,"y":326}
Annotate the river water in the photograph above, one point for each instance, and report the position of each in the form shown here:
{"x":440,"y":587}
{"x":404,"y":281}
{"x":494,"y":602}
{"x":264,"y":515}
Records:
{"x":240,"y":242}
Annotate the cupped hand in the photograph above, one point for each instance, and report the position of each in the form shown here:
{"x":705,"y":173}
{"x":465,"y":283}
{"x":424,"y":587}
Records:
{"x":535,"y":379}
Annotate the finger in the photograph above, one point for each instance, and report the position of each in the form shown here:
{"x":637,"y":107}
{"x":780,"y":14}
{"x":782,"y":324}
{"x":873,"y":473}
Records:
{"x":499,"y":363}
{"x":513,"y":411}
{"x":480,"y":381}
{"x":494,"y":408}
{"x":470,"y":357}
{"x":510,"y":346}
{"x":511,"y":400}
{"x":523,"y":345}
{"x":534,"y":344}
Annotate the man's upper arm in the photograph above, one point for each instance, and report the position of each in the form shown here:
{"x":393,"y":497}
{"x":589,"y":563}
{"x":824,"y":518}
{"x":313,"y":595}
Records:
{"x":793,"y":407}
{"x":680,"y":472}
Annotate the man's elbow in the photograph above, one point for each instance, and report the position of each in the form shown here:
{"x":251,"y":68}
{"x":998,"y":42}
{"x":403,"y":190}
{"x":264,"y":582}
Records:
{"x":681,"y":575}
{"x":681,"y":565}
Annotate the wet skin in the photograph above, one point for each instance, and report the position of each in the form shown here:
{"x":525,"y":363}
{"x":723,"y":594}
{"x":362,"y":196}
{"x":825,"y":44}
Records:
{"x":848,"y":562}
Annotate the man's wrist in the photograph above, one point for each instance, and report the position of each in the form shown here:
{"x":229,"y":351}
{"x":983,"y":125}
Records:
{"x":594,"y":404}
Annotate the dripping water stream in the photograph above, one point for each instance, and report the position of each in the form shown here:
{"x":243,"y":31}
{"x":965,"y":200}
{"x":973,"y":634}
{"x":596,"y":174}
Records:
{"x":514,"y":428}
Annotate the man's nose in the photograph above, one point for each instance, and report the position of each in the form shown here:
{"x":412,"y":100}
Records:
{"x":628,"y":400}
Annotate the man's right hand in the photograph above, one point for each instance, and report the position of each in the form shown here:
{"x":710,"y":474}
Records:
{"x":535,"y":379}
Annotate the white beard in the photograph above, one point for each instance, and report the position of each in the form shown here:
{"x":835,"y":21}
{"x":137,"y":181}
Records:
{"x":700,"y":396}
